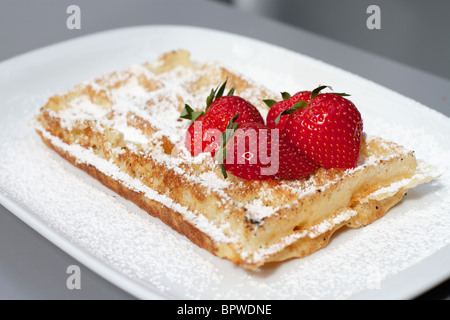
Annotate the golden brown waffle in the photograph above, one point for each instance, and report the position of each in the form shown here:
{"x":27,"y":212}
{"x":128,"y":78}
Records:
{"x":124,"y":129}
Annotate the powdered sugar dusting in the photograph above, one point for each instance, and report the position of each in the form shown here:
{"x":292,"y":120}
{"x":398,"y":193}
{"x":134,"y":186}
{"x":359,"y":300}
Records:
{"x":257,"y":210}
{"x":111,"y":170}
{"x":123,"y":237}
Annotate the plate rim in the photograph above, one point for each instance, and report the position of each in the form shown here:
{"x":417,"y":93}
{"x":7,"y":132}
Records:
{"x":106,"y":272}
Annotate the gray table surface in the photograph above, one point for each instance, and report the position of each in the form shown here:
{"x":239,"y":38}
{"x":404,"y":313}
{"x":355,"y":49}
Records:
{"x":33,"y":268}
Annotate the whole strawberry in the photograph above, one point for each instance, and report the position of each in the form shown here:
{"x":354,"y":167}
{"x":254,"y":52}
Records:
{"x":253,"y":151}
{"x":328,"y":130}
{"x":292,"y":163}
{"x":206,"y":126}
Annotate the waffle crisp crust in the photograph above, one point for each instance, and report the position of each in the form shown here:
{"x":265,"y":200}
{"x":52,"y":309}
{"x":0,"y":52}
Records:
{"x":123,"y":129}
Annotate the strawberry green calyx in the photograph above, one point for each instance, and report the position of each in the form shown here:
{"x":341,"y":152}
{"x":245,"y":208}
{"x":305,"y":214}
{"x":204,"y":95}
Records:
{"x":190,"y":114}
{"x":271,"y":102}
{"x":299,"y":105}
{"x":217,"y":93}
{"x":303,"y":104}
{"x":224,"y":139}
{"x":286,"y":95}
{"x":319,"y":89}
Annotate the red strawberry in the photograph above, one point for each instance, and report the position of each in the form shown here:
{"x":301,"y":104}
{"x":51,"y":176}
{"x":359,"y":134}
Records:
{"x":253,"y":151}
{"x":219,"y":110}
{"x":199,"y":136}
{"x":328,"y":130}
{"x":293,"y":165}
{"x":274,"y":120}
{"x":197,"y":140}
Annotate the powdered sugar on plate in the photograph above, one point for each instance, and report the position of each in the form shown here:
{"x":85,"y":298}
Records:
{"x":122,"y":236}
{"x":127,"y":239}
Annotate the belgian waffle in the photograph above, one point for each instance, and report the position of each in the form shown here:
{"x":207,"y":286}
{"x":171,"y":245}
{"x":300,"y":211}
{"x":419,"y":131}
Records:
{"x":123,"y":128}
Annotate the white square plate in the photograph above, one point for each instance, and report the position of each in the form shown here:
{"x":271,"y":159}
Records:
{"x":397,"y":257}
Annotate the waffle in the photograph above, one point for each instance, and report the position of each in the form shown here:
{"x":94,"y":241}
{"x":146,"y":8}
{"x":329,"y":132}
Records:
{"x":123,"y":129}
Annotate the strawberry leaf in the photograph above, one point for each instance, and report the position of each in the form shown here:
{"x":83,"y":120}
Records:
{"x":299,"y":105}
{"x":342,"y":94}
{"x":189,"y":114}
{"x":224,"y":139}
{"x":317,"y":91}
{"x":221,"y":90}
{"x":285,"y":96}
{"x":217,"y":93}
{"x":269,"y":102}
{"x":210,"y":99}
{"x":224,"y":171}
